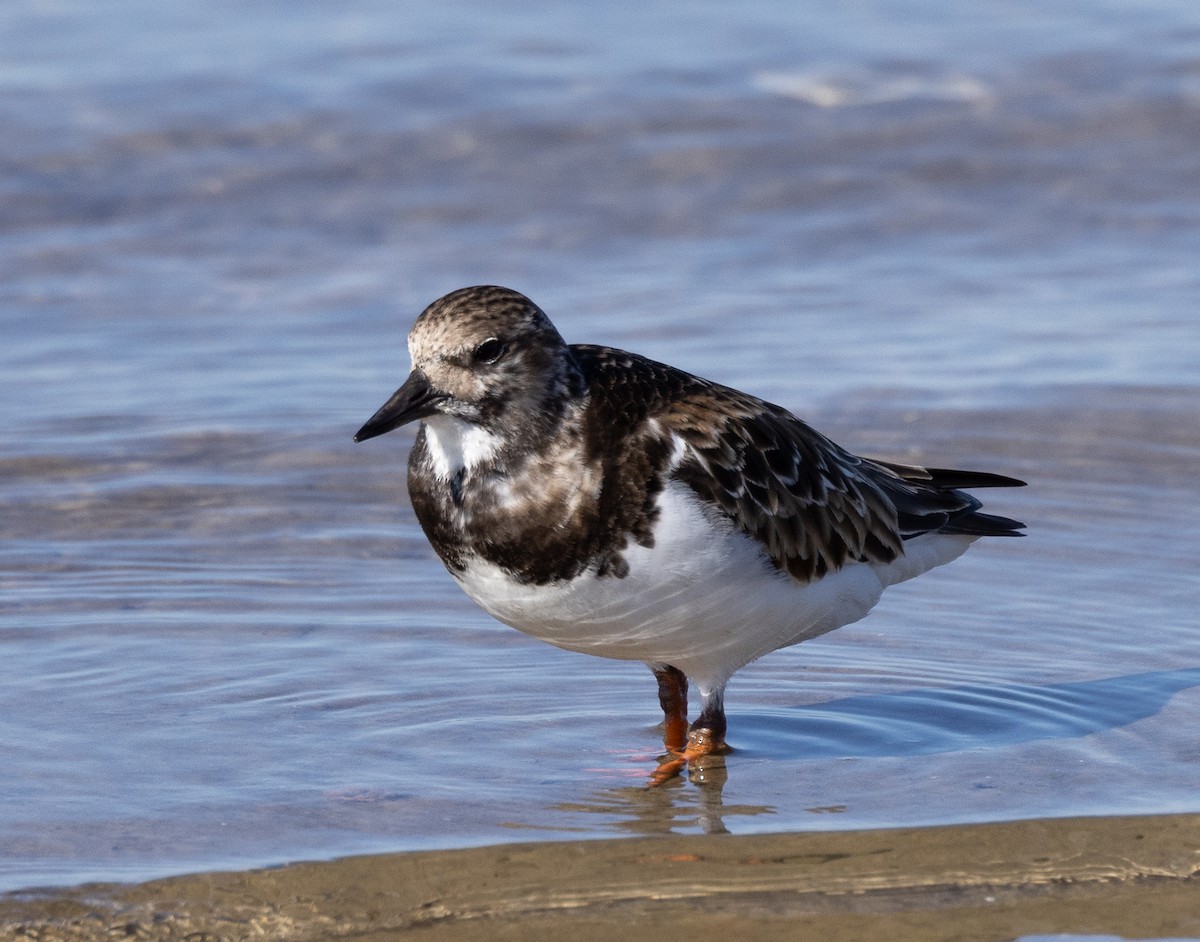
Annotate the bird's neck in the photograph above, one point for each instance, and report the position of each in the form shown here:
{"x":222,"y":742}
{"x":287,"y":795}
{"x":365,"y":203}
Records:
{"x":455,"y":447}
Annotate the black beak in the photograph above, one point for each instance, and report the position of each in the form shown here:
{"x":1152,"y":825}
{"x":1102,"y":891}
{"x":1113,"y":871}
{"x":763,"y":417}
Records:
{"x":416,"y":399}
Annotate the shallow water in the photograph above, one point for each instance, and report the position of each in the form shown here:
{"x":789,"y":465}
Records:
{"x":972,"y":240}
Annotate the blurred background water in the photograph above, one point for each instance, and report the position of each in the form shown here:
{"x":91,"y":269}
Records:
{"x":943,"y":233}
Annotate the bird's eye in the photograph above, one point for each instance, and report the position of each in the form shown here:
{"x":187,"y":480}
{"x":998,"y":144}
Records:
{"x":489,"y":351}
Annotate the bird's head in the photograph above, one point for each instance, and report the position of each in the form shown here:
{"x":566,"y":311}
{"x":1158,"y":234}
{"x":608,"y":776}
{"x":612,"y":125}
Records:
{"x":485,"y":356}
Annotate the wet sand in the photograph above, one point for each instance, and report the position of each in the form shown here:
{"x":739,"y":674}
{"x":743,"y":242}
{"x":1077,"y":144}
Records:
{"x":1132,"y":877}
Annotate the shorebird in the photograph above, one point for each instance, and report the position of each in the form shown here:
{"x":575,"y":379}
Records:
{"x":616,"y":506}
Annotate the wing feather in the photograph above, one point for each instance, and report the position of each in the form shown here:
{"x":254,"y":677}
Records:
{"x":811,"y":504}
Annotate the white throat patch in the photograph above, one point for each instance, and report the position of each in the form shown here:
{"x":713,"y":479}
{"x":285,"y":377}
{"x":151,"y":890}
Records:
{"x":454,"y":445}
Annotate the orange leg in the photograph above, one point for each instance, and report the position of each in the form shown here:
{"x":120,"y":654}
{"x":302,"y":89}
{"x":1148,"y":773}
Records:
{"x":706,"y":736}
{"x":672,"y":697}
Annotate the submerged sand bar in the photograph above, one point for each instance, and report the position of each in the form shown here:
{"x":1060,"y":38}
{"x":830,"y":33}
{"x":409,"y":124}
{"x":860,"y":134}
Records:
{"x":1134,"y":877}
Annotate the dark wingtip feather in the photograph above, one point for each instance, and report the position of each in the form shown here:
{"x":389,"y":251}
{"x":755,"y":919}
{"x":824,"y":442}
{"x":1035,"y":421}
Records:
{"x":981,"y":524}
{"x":937,"y":499}
{"x":949,"y":477}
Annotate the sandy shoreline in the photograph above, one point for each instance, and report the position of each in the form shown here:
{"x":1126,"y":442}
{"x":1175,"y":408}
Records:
{"x":1125,"y":876}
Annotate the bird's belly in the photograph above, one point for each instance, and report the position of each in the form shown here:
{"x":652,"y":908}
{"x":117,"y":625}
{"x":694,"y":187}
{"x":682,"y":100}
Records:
{"x":703,"y":599}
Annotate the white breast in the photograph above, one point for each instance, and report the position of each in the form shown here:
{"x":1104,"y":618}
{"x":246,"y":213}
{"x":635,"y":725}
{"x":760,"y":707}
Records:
{"x":703,"y":599}
{"x":453,"y":445}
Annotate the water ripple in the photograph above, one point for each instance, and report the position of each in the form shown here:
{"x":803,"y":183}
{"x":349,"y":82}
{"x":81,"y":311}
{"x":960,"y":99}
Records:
{"x":977,"y":716}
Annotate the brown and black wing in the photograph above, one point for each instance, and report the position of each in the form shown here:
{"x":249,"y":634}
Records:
{"x":811,"y":504}
{"x":804,"y":498}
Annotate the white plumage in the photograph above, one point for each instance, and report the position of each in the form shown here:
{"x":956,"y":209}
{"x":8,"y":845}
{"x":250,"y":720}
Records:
{"x":703,"y":599}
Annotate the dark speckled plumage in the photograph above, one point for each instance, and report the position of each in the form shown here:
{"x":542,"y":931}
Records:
{"x":811,"y":504}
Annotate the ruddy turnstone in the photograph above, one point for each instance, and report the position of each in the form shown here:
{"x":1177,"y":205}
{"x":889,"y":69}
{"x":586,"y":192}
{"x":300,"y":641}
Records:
{"x":616,"y":506}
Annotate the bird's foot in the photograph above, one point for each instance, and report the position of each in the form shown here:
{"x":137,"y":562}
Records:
{"x":701,"y":743}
